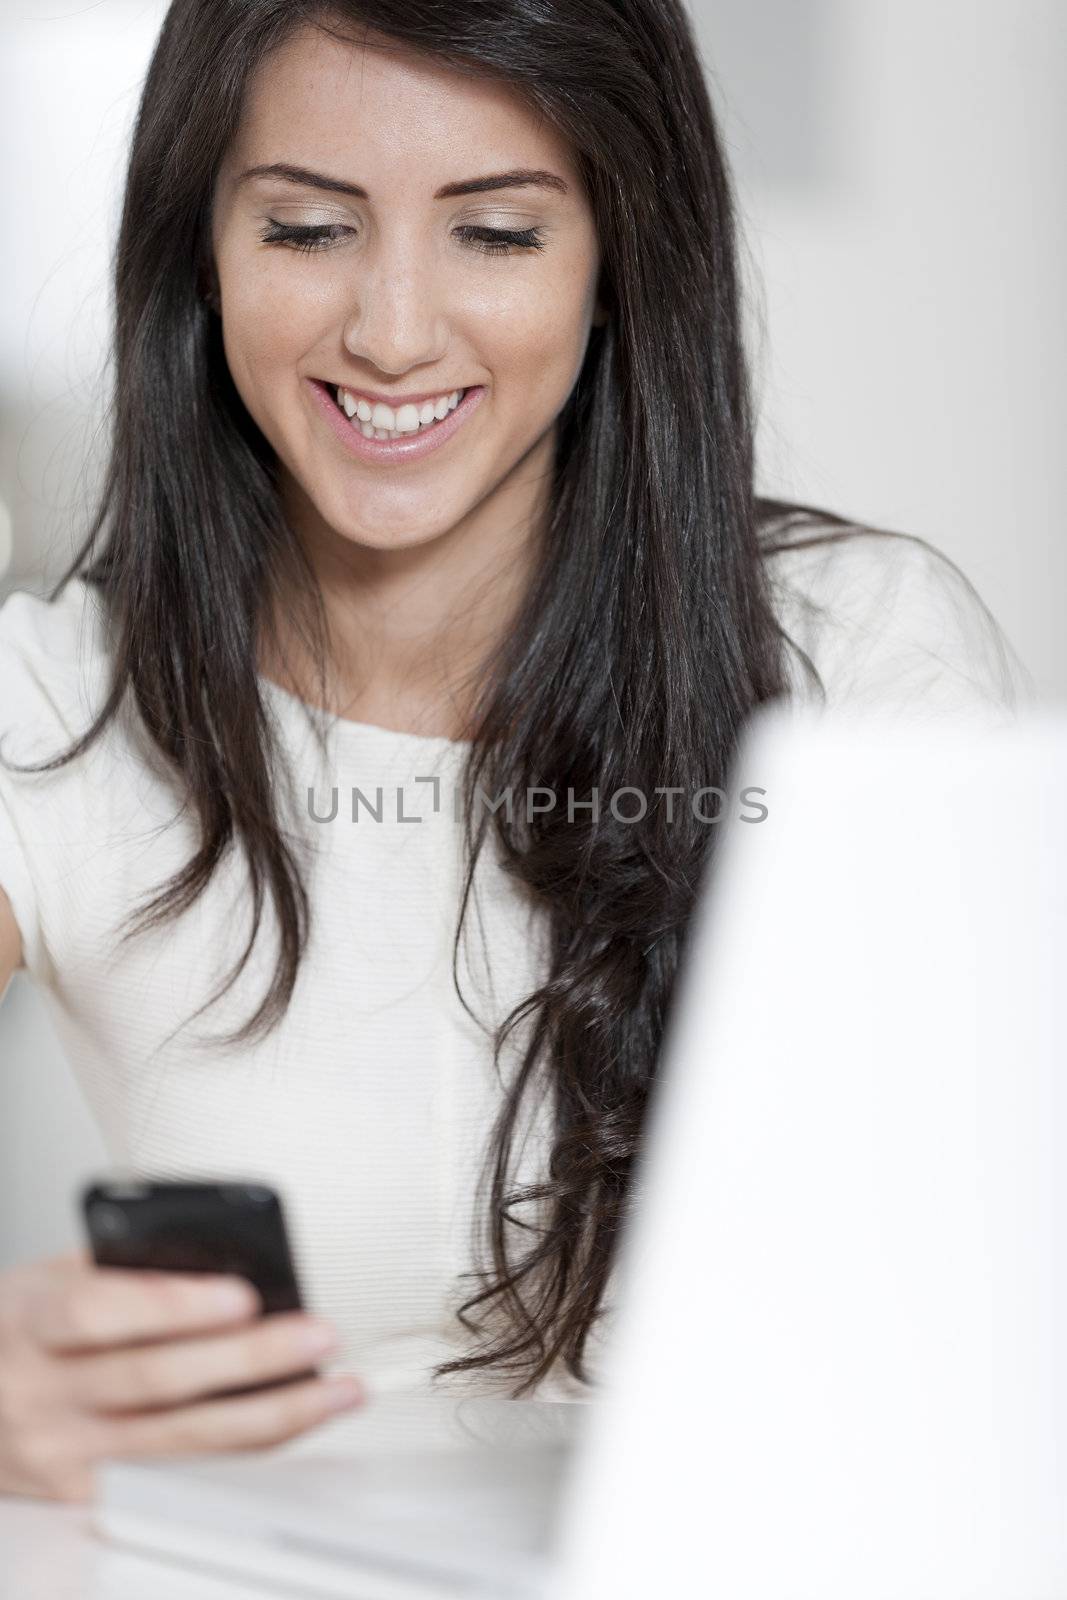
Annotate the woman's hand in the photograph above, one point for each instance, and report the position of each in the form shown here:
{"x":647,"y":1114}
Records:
{"x":110,"y":1361}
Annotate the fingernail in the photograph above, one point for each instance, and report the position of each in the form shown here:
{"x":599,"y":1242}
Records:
{"x":341,"y":1392}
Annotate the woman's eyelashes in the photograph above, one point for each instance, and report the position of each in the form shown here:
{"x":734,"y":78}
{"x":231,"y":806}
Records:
{"x":322,"y":236}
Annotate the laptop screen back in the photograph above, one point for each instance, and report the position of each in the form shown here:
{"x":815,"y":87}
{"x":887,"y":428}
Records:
{"x":840,"y":1367}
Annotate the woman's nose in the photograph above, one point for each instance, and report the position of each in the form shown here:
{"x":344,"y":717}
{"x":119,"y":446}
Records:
{"x":397,"y":319}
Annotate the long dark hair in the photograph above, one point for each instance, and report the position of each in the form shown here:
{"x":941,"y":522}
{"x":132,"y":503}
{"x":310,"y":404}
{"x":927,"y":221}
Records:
{"x":646,"y":640}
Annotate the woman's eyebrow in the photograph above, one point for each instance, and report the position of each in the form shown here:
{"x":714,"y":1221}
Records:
{"x":519,"y":178}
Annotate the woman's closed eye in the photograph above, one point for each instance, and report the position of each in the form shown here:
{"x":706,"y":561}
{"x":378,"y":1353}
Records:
{"x":322,"y":236}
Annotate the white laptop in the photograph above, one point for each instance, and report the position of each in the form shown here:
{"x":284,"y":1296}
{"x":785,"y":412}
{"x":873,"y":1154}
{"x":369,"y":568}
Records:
{"x":841,"y":1362}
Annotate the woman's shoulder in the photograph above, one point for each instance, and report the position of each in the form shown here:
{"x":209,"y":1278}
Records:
{"x":886,"y":619}
{"x":51,"y":672}
{"x":53,"y":661}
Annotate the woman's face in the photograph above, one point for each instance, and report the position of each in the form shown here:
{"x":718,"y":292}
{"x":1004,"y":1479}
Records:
{"x":398,"y":300}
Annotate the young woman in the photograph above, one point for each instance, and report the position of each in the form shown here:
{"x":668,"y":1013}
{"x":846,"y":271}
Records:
{"x":431,"y":481}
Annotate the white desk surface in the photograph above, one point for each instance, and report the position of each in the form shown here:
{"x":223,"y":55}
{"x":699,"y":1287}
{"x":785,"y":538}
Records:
{"x":49,"y":1551}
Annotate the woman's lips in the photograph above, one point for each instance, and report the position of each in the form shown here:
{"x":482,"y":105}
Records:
{"x":393,"y":451}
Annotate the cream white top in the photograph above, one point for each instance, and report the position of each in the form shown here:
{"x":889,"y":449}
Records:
{"x":371,"y":1103}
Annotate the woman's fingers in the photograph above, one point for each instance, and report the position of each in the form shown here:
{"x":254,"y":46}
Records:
{"x":184,"y":1369}
{"x":99,"y":1362}
{"x":94,"y":1307}
{"x":244,"y":1422}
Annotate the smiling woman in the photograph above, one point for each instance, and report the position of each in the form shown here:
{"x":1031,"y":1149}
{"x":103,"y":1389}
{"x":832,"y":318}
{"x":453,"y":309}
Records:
{"x":432,"y":457}
{"x":401,"y":268}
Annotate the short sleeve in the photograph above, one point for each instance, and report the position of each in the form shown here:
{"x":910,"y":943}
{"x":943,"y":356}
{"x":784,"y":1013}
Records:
{"x":16,"y":881}
{"x":22,"y":707}
{"x":889,"y":623}
{"x":43,"y":708}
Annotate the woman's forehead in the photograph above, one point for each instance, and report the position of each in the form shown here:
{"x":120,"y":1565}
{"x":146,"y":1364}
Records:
{"x":317,"y":98}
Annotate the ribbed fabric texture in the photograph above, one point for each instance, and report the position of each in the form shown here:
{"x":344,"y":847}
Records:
{"x":371,"y":1105}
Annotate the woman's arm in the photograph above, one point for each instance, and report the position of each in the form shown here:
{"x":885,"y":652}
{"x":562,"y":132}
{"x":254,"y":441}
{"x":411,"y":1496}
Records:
{"x":10,"y":943}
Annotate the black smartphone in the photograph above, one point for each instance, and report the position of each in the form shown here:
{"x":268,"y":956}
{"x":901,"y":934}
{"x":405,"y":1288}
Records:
{"x":178,"y":1226}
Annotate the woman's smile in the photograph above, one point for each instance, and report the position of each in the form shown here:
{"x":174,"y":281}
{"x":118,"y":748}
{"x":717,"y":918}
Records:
{"x":393,"y":434}
{"x":380,"y":413}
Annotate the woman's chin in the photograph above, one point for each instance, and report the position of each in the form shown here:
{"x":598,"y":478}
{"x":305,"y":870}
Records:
{"x":381,"y":533}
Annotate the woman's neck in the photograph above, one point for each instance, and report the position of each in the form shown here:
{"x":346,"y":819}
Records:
{"x":411,"y":628}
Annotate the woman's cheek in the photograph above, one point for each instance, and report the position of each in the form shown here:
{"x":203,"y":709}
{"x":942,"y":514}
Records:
{"x":544,"y":328}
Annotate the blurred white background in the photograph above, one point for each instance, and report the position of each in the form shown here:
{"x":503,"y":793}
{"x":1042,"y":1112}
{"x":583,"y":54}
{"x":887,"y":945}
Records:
{"x":900,"y":181}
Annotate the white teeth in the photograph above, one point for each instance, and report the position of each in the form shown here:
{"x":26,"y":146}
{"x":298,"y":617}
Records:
{"x":380,"y":421}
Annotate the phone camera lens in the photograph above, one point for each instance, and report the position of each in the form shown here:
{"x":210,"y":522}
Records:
{"x":109,"y":1221}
